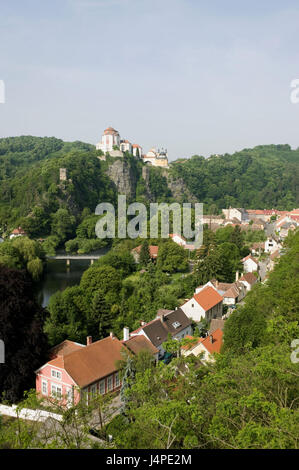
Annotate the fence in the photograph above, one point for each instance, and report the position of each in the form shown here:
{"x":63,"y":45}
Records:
{"x":31,"y":415}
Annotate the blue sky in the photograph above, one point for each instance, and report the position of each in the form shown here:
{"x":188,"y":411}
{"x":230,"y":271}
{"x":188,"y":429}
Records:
{"x":197,"y":77}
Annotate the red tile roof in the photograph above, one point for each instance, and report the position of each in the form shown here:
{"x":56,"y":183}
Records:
{"x":140,"y":343}
{"x":64,"y":348}
{"x":214,"y":346}
{"x":249,"y":257}
{"x":153,"y":250}
{"x":19,"y":231}
{"x":93,"y":362}
{"x":208,"y":298}
{"x":249,"y":277}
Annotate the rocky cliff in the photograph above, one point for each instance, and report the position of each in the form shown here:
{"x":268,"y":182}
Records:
{"x":124,"y":177}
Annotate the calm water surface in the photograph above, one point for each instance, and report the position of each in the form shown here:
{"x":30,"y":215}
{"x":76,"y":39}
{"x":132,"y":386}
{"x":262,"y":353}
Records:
{"x":59,"y":276}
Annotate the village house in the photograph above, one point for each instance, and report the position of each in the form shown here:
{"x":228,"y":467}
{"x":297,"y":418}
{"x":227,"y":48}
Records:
{"x":206,"y":304}
{"x":205,"y":347}
{"x":153,"y":252}
{"x":250,"y":264}
{"x":285,"y":228}
{"x":178,"y":239}
{"x":77,"y":371}
{"x":138,"y":343}
{"x":258,"y":248}
{"x":239,"y":214}
{"x":18,"y":232}
{"x":156,"y":331}
{"x":273,"y":258}
{"x":216,"y":323}
{"x":231,"y":293}
{"x":271,"y":245}
{"x":263,"y":214}
{"x":212,"y":219}
{"x":248,"y":280}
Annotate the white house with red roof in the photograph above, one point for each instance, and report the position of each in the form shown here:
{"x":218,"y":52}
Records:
{"x":271,"y":245}
{"x":153,"y":252}
{"x":250,"y":264}
{"x":18,"y":232}
{"x":178,"y":239}
{"x":206,"y":304}
{"x":248,"y":279}
{"x":206,"y":347}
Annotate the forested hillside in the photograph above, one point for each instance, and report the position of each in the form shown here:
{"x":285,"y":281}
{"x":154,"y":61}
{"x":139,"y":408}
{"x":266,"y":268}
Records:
{"x":261,"y":178}
{"x":31,"y":194}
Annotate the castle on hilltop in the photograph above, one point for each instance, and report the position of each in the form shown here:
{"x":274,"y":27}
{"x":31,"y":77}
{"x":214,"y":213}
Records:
{"x":111,"y":139}
{"x":156,"y":157}
{"x":112,"y":143}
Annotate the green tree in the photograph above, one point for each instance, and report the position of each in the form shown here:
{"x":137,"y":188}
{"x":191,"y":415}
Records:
{"x":144,"y":256}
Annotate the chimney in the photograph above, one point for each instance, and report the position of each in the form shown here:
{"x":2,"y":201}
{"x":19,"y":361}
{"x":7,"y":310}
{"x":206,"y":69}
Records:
{"x":143,"y":323}
{"x":126,"y":333}
{"x":162,"y":317}
{"x":211,"y":338}
{"x":217,"y":284}
{"x":237,"y":276}
{"x":112,"y":335}
{"x":88,"y":340}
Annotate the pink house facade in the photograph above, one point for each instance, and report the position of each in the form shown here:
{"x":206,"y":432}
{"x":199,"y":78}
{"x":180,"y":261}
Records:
{"x":76,"y":371}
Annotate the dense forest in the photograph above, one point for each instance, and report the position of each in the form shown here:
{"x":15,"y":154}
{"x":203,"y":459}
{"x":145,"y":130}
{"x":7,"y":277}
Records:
{"x":264,"y":177}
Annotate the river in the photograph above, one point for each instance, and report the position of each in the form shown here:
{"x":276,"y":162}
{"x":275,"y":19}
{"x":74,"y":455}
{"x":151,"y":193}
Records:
{"x":59,"y":276}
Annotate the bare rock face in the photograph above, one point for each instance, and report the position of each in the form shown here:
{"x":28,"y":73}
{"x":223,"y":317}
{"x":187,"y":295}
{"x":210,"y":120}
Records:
{"x":179,"y":190}
{"x":123,"y":177}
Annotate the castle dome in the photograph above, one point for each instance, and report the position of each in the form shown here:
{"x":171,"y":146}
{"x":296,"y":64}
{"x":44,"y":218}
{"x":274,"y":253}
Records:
{"x":110,"y":131}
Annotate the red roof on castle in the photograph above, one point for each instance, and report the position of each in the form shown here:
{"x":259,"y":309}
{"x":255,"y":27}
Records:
{"x":110,"y":131}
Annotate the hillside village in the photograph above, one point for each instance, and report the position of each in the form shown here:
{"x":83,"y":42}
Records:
{"x":159,"y":304}
{"x":75,"y":370}
{"x":71,"y":361}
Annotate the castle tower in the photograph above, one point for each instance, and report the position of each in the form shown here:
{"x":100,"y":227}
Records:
{"x":109,"y":139}
{"x":62,"y":174}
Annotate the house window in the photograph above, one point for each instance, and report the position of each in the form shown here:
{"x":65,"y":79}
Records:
{"x":117,"y":382}
{"x":192,"y":305}
{"x":110,"y":383}
{"x":93,"y":390}
{"x":69,"y":395}
{"x":44,"y":387}
{"x":102,"y":387}
{"x":56,"y":391}
{"x":56,"y":374}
